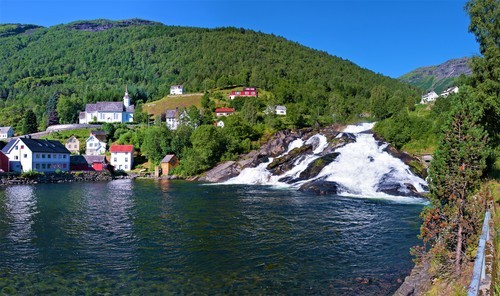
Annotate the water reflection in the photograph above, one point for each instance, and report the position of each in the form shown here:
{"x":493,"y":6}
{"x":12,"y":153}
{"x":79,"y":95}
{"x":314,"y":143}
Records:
{"x":21,"y":208}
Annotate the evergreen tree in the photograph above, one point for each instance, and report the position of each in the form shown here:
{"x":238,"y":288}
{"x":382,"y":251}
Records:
{"x":29,"y":125}
{"x":455,"y":174}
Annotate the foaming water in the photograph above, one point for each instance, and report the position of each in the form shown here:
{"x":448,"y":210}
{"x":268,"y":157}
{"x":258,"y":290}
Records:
{"x":362,"y":168}
{"x":172,"y":237}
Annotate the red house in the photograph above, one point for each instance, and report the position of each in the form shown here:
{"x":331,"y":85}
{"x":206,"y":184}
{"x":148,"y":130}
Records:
{"x":246,"y":92}
{"x":223,"y":111}
{"x":4,"y":163}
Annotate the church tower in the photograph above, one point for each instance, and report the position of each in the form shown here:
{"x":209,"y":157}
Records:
{"x":126,"y":98}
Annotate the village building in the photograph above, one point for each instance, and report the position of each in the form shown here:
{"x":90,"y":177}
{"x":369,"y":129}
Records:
{"x":88,"y":163}
{"x":4,"y":163}
{"x":176,"y":90}
{"x":122,"y":157}
{"x":280,"y":110}
{"x":109,"y":111}
{"x":224,"y":111}
{"x":26,"y":154}
{"x":6,"y":132}
{"x":94,"y":146}
{"x":246,"y":92}
{"x":429,"y":97}
{"x":449,"y":91}
{"x":219,"y":123}
{"x":73,"y":145}
{"x":99,"y":134}
{"x":169,"y":162}
{"x":174,"y":118}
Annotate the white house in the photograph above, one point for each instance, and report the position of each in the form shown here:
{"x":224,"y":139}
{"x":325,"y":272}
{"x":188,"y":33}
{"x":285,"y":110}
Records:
{"x":94,"y":146}
{"x":122,"y":157}
{"x":6,"y":132}
{"x":449,"y":91}
{"x":220,"y":124}
{"x":109,"y":111}
{"x":280,"y":110}
{"x":174,"y":118}
{"x":73,"y":145}
{"x":176,"y":90}
{"x":429,"y":97}
{"x":27,"y":154}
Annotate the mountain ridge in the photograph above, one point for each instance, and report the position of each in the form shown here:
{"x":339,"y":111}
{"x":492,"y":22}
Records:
{"x":438,"y":77}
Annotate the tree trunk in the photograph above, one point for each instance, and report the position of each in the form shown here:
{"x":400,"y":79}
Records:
{"x":458,"y":252}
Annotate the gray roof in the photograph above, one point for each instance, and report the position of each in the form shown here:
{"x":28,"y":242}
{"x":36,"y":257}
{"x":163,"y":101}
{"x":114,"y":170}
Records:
{"x":278,"y":107}
{"x":110,"y":106}
{"x":95,"y":158}
{"x":168,"y":158}
{"x":36,"y":145}
{"x":90,"y":108}
{"x":4,"y":129}
{"x":130,"y":109}
{"x":171,"y":113}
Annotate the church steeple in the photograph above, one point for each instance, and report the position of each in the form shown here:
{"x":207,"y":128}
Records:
{"x":126,"y":98}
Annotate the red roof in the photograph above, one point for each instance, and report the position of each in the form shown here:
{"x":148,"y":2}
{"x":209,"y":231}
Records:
{"x":121,"y":148}
{"x":224,"y":110}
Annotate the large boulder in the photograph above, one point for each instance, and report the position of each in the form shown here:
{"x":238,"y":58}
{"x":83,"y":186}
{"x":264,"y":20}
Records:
{"x":320,"y":187}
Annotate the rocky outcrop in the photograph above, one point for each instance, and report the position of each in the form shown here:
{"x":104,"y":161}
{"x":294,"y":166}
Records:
{"x":63,"y":177}
{"x":320,"y":187}
{"x":417,"y":283}
{"x":101,"y":25}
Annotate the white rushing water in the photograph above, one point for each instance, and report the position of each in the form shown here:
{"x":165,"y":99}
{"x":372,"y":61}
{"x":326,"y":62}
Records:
{"x":361,"y":168}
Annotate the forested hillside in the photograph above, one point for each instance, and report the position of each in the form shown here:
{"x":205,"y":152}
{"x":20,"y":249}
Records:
{"x":86,"y":61}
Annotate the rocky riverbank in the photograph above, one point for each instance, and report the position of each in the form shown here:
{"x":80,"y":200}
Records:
{"x":63,"y":177}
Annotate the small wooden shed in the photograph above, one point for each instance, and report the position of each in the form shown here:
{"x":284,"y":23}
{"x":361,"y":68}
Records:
{"x":169,"y":162}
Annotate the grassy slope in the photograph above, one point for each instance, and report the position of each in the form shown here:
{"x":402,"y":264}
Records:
{"x":171,"y":102}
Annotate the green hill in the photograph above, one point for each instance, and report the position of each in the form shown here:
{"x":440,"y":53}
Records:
{"x":92,"y":61}
{"x":439,"y":77}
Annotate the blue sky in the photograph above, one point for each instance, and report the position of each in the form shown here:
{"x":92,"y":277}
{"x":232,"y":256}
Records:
{"x":390,"y":37}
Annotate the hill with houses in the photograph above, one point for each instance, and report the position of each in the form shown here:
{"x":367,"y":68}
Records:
{"x":55,"y":72}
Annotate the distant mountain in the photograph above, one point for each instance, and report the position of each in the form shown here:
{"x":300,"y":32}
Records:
{"x":438,"y":77}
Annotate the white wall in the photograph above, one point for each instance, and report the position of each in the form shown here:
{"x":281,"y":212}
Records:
{"x":122,"y":160}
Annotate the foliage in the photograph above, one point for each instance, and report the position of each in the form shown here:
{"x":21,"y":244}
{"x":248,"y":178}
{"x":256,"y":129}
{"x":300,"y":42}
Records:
{"x":31,"y":174}
{"x":485,"y":25}
{"x":452,"y":222}
{"x":156,"y":144}
{"x":29,"y":125}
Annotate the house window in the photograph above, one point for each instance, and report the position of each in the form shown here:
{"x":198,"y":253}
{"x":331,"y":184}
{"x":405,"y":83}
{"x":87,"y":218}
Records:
{"x":43,"y":155}
{"x":114,"y":159}
{"x":25,"y":155}
{"x":43,"y":166}
{"x":115,"y":115}
{"x":17,"y":148}
{"x":126,"y":166}
{"x":126,"y":159}
{"x":49,"y":155}
{"x":37,"y":166}
{"x":38,"y":155}
{"x":64,"y":156}
{"x":16,"y":157}
{"x":59,"y":156}
{"x":22,"y":146}
{"x":64,"y":165}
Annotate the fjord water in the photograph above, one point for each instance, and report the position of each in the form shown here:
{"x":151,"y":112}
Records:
{"x":162,"y":237}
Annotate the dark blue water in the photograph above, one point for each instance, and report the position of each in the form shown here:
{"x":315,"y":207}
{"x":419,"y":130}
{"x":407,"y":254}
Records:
{"x":149,"y":237}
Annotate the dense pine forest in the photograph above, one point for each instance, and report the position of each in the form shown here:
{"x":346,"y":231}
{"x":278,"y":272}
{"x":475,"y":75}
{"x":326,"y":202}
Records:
{"x":88,"y":61}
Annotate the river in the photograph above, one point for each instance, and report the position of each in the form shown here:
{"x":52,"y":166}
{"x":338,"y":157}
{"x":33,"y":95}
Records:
{"x":148,"y":237}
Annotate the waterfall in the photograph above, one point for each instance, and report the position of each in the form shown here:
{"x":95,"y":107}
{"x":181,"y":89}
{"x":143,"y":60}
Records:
{"x":361,"y":168}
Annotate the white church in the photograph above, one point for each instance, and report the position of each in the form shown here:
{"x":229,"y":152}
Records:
{"x":109,"y":111}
